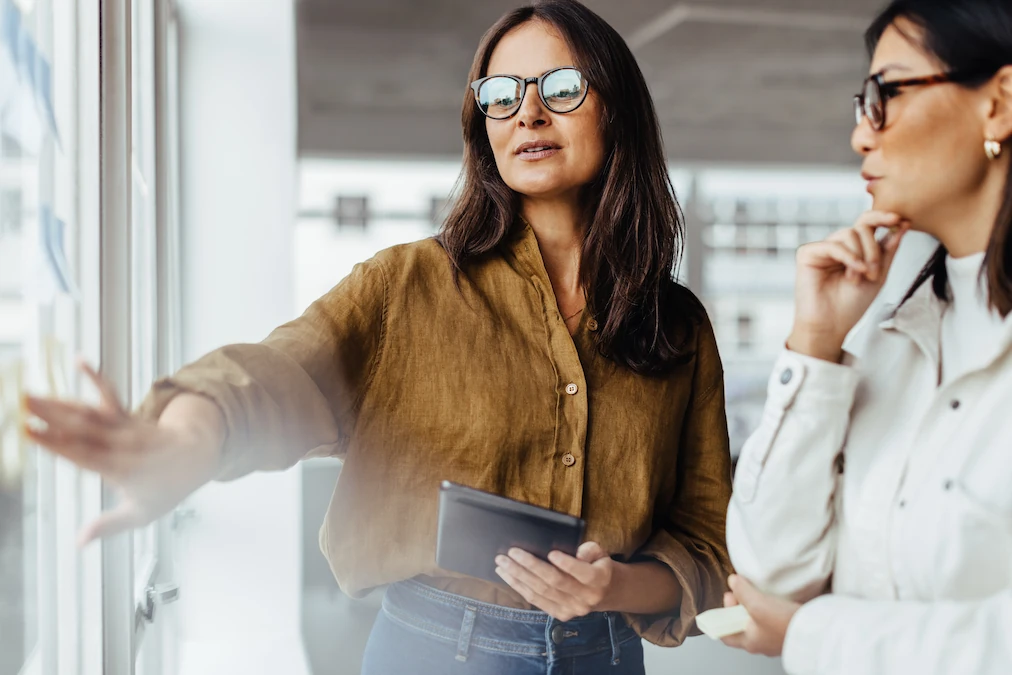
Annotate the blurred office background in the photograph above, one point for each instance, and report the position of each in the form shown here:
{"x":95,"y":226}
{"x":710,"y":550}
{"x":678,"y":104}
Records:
{"x":180,"y":174}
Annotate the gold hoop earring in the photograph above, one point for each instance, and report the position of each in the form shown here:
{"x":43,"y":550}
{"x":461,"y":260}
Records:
{"x":992,"y":149}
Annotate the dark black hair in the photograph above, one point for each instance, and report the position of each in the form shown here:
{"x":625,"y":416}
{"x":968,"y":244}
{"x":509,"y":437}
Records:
{"x":635,"y":227}
{"x":972,"y":37}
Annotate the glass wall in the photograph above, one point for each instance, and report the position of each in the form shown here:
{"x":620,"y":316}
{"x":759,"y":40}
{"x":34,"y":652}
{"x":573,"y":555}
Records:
{"x":59,"y":88}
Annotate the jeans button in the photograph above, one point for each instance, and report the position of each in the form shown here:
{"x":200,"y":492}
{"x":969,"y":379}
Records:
{"x":558,"y":634}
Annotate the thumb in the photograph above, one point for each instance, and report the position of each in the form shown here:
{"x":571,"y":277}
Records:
{"x":115,"y":521}
{"x":746,"y":594}
{"x":590,"y":551}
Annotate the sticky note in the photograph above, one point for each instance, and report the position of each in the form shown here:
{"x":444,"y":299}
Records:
{"x":722,"y":622}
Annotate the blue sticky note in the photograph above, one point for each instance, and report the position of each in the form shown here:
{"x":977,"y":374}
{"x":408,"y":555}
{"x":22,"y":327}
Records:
{"x":26,"y":58}
{"x":51,"y":234}
{"x":10,"y":30}
{"x":44,"y":95}
{"x":10,"y":20}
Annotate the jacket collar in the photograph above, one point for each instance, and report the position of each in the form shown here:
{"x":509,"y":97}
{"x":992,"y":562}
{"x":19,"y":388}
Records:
{"x":920,"y":319}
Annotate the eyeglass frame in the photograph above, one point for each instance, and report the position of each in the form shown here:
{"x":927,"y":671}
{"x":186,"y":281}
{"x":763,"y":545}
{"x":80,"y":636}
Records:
{"x":889,"y":89}
{"x":525,"y":82}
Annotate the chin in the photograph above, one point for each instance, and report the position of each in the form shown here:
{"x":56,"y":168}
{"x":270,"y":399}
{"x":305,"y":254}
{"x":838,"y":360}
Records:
{"x":538,"y":189}
{"x":901,"y":209}
{"x":887,"y":203}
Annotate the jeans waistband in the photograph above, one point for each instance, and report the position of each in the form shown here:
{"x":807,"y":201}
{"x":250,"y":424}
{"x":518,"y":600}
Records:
{"x":472,"y":624}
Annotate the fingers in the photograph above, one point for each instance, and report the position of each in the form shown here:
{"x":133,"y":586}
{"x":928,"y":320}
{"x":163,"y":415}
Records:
{"x":590,"y":551}
{"x":852,"y":240}
{"x":110,"y":399}
{"x":73,"y":420}
{"x":120,"y":519}
{"x":870,"y":250}
{"x":737,"y":641}
{"x":543,"y":578}
{"x":831,"y":254}
{"x":875,"y":219}
{"x":581,"y":570}
{"x":891,"y":244}
{"x":80,"y":452}
{"x":860,"y":240}
{"x":546,"y":605}
{"x":729,"y":599}
{"x":746,"y":594}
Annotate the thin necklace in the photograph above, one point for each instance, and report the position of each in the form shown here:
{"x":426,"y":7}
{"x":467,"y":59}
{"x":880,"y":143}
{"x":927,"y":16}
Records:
{"x":575,"y":313}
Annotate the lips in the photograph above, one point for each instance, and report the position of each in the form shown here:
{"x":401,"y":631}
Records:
{"x":868,"y":177}
{"x":532,"y":147}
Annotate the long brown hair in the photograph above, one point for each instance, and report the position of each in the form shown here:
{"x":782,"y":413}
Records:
{"x":973,"y":37}
{"x":635,"y":226}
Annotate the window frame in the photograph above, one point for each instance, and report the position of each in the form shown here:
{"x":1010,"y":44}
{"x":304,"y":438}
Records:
{"x":125,"y":580}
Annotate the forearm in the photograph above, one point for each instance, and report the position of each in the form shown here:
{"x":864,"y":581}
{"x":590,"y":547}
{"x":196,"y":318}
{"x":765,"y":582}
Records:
{"x":644,"y":588}
{"x":197,"y":419}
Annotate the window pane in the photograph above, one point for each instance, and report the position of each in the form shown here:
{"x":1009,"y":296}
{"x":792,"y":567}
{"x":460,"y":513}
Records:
{"x":20,"y":180}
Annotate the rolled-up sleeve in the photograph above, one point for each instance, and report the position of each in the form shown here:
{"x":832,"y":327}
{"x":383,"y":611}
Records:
{"x":689,"y":537}
{"x":296,"y":393}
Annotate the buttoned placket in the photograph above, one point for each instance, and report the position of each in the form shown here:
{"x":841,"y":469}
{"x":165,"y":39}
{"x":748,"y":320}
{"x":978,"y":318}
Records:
{"x":572,"y":414}
{"x":939,"y":424}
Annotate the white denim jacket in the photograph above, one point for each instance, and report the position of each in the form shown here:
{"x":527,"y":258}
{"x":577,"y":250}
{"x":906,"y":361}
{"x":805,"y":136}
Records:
{"x":910,"y":528}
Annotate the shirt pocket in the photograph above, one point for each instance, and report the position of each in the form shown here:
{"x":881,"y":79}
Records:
{"x":975,"y":547}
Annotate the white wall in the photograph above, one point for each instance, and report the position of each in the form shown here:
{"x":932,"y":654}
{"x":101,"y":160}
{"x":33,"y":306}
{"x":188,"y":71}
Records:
{"x":239,"y":561}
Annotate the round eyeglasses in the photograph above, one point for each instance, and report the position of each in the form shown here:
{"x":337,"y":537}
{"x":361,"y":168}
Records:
{"x":499,"y":97}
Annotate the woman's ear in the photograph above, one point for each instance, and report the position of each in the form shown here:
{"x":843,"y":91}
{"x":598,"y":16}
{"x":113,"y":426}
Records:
{"x":999,"y":123}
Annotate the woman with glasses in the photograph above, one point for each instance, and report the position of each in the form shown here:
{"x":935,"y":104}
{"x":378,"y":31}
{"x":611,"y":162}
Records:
{"x":538,"y":348}
{"x":871,"y":520}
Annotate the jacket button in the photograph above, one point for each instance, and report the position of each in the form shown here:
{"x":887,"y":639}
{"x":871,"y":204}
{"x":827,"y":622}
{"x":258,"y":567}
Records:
{"x":786,"y":376}
{"x":592,"y":325}
{"x":568,"y":459}
{"x":571,"y":389}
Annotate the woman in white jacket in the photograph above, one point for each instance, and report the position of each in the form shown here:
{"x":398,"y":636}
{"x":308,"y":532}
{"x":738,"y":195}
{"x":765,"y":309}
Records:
{"x":871,"y":521}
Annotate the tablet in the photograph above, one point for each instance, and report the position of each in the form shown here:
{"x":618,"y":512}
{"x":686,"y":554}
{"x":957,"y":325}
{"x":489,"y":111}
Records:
{"x":476,"y":526}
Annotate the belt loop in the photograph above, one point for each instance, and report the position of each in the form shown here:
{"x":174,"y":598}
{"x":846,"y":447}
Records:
{"x":616,"y":650}
{"x":466,"y":628}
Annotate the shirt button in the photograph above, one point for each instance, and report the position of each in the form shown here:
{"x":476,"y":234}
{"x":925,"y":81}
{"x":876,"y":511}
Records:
{"x":954,"y":404}
{"x":571,"y":388}
{"x":568,"y":459}
{"x":592,"y":325}
{"x":786,"y":376}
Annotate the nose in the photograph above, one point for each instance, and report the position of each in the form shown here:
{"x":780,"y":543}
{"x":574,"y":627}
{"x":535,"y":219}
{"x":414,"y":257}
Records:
{"x":864,"y":139}
{"x":532,"y":113}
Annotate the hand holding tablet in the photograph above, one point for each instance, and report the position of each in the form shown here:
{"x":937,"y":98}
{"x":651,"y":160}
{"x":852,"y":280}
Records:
{"x":476,"y":526}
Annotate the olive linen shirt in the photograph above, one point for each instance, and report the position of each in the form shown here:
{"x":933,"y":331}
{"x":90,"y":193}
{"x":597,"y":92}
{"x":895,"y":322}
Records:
{"x":412,"y":382}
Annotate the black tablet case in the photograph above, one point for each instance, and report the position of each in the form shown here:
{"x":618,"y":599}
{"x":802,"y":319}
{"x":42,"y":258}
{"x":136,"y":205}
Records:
{"x":476,"y":526}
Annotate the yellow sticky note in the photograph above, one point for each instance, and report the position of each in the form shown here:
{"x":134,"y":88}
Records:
{"x":13,"y":445}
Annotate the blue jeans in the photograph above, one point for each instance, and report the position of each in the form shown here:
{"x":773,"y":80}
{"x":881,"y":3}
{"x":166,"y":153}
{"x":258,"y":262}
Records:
{"x":425,"y":631}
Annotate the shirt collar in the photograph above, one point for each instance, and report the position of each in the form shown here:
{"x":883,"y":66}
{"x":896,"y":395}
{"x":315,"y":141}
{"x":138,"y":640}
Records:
{"x":523,"y":244}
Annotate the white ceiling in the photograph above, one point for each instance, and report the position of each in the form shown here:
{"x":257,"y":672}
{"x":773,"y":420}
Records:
{"x":733,"y":80}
